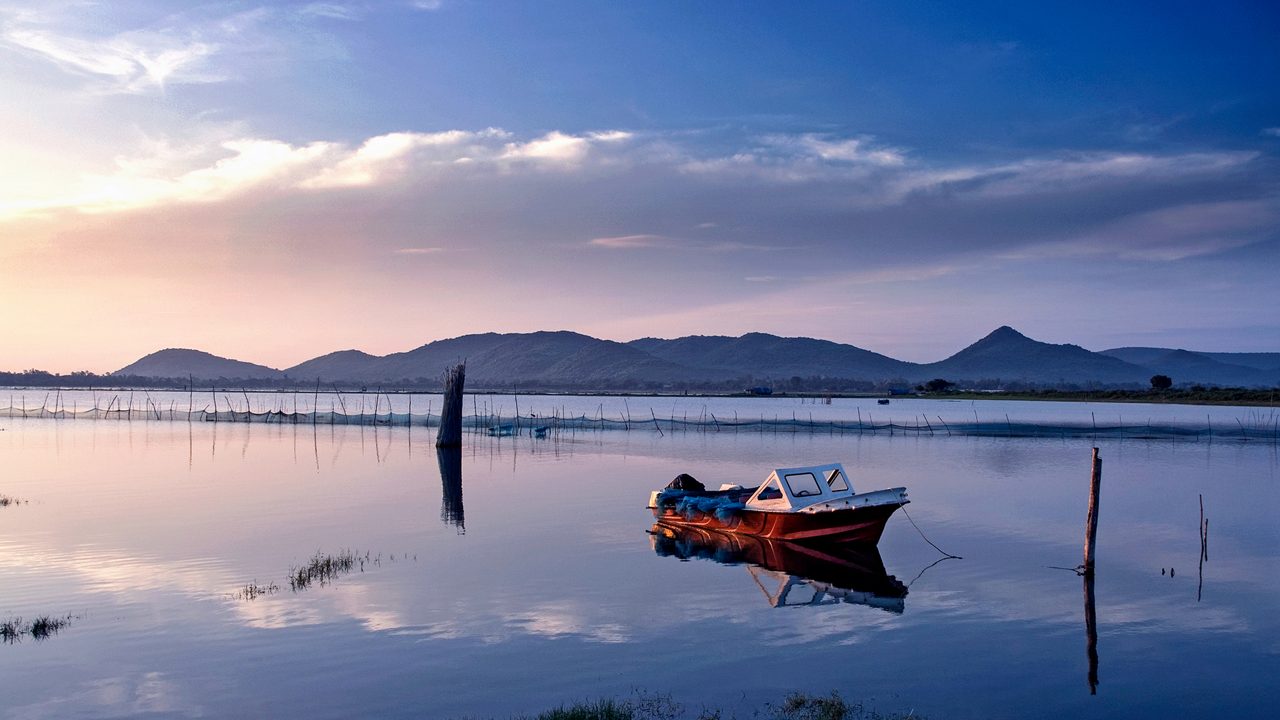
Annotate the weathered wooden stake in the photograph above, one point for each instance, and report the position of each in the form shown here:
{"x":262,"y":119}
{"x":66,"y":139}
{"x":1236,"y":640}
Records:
{"x":1091,"y":522}
{"x":450,"y":434}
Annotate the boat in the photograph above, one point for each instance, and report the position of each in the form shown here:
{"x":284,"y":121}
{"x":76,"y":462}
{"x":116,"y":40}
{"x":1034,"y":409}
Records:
{"x":791,"y":574}
{"x":882,"y":401}
{"x":816,"y":503}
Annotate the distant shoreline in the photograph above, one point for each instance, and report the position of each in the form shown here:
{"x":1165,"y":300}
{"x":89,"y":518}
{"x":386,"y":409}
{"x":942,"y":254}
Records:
{"x":1204,"y":396}
{"x":1226,"y":396}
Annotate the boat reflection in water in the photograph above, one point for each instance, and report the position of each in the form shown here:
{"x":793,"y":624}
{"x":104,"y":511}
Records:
{"x":788,"y":573}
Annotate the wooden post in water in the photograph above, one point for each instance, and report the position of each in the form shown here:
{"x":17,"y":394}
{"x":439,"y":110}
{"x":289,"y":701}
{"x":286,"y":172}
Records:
{"x":450,"y":434}
{"x":1091,"y":521}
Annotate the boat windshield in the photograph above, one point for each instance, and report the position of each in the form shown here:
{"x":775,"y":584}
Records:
{"x":770,"y":491}
{"x":836,"y":481}
{"x":803,"y":484}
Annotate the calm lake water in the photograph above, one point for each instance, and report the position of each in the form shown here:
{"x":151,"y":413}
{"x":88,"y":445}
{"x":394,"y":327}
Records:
{"x":539,"y":584}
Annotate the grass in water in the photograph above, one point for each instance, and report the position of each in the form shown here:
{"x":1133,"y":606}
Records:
{"x":799,"y":706}
{"x":647,"y":706}
{"x":599,"y":710}
{"x":42,"y":628}
{"x":324,"y":569}
{"x":321,"y":569}
{"x":6,"y":501}
{"x":253,"y":591}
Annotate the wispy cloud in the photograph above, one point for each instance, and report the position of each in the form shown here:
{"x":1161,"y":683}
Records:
{"x":860,"y":150}
{"x":852,"y":206}
{"x":241,"y":164}
{"x":187,"y":48}
{"x":333,"y":11}
{"x":133,"y":62}
{"x":1167,"y":234}
{"x":627,"y":242}
{"x":419,"y":250}
{"x":1271,"y":131}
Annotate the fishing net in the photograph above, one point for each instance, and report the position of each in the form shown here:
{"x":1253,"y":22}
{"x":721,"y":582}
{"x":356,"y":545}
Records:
{"x":1257,"y":426}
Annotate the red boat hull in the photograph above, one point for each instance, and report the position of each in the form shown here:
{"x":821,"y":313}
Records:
{"x":854,"y":525}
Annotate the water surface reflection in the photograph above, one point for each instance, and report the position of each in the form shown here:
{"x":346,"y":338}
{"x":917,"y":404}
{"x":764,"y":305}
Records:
{"x":791,"y":574}
{"x":145,"y":532}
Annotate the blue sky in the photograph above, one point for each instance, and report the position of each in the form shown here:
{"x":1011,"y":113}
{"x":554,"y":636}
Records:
{"x":274,"y":181}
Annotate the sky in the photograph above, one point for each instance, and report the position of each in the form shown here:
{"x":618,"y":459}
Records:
{"x":274,"y":181}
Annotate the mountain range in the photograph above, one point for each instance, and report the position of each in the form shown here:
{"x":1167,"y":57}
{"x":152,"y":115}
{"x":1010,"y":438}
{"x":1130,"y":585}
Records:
{"x":572,"y":361}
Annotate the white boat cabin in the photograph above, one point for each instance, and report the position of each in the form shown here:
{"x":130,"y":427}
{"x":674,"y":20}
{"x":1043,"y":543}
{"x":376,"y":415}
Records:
{"x":816,"y":488}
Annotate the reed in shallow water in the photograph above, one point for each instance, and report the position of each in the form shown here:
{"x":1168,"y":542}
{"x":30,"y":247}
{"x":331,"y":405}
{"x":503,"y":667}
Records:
{"x":323,"y":569}
{"x":646,"y":706}
{"x":41,"y":628}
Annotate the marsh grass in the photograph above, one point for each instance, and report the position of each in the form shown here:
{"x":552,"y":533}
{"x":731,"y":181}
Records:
{"x":41,"y":628}
{"x":253,"y":591}
{"x":799,"y":706}
{"x":323,"y":569}
{"x":598,"y":710}
{"x":649,"y":706}
{"x":6,"y":501}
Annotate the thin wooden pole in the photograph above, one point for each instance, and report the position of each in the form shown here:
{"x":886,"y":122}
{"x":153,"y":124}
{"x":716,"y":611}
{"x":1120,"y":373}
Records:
{"x":1091,"y":521}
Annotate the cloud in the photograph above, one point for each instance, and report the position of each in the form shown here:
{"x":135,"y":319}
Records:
{"x":1271,"y":131}
{"x":419,"y":250}
{"x":846,"y":150}
{"x":624,"y":191}
{"x":245,"y":164}
{"x":241,"y":164}
{"x":1168,"y":234}
{"x":332,"y":11}
{"x":188,"y":48}
{"x":385,"y":155}
{"x":558,"y":147}
{"x":426,"y":4}
{"x":627,"y":242}
{"x":130,"y":62}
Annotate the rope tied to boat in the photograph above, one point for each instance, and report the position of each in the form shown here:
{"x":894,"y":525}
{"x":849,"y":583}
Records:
{"x":947,"y":555}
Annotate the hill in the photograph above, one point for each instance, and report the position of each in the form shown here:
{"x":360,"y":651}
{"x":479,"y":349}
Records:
{"x":543,"y":359}
{"x":769,"y":357}
{"x":562,"y":360}
{"x":1187,"y":368}
{"x":182,"y":363}
{"x":1010,"y":356}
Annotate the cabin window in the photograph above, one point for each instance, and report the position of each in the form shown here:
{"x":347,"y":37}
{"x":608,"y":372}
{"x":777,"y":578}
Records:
{"x":770,"y":491}
{"x":803,"y":485}
{"x":836,"y":481}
